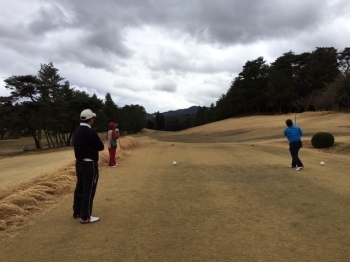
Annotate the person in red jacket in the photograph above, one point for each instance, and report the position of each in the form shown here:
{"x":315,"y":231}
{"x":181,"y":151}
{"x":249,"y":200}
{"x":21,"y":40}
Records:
{"x":112,"y":149}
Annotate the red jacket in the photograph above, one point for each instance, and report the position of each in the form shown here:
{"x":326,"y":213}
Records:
{"x":112,"y":127}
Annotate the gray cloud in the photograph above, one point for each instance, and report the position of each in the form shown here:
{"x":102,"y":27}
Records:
{"x":224,"y":21}
{"x":191,"y":49}
{"x":93,"y":44}
{"x":166,"y":86}
{"x":109,"y":40}
{"x":48,"y":19}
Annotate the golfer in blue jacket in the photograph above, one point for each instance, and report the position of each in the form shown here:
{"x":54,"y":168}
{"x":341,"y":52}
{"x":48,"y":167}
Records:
{"x":294,"y":134}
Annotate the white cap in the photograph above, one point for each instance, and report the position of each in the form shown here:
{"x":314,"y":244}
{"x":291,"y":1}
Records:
{"x":87,"y":114}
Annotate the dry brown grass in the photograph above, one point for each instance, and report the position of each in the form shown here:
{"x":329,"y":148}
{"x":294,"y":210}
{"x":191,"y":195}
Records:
{"x":231,"y":197}
{"x":20,"y":202}
{"x":259,"y":129}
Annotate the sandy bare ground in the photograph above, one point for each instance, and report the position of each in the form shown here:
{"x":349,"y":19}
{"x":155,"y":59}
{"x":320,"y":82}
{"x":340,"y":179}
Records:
{"x":224,"y":201}
{"x":23,"y":167}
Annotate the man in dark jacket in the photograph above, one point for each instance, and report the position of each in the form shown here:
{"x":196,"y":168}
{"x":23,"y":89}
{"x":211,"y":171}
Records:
{"x":86,"y":146}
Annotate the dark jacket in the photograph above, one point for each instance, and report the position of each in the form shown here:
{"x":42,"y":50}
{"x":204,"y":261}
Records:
{"x":86,"y":143}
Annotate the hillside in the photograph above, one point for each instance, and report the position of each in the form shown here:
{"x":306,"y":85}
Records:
{"x":187,"y":111}
{"x":261,"y":128}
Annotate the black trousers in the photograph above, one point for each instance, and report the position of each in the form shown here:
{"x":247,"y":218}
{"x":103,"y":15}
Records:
{"x":294,"y":151}
{"x":84,"y":193}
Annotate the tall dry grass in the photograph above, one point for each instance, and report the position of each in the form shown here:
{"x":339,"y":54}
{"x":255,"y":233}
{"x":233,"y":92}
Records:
{"x":125,"y":144}
{"x":20,"y":202}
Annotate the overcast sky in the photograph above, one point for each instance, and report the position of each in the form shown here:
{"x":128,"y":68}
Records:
{"x":161,"y":54}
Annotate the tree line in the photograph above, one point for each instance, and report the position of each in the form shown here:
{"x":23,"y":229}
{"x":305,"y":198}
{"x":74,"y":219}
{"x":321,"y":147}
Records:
{"x":46,"y":105}
{"x":311,"y":81}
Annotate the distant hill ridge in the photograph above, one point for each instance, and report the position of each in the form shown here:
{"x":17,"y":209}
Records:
{"x":187,"y":111}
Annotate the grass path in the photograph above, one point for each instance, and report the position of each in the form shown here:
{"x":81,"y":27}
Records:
{"x":24,"y":167}
{"x":222,"y":202}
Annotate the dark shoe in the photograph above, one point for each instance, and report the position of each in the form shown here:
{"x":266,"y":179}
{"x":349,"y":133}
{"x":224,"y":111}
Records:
{"x":90,"y":220}
{"x":76,"y":215}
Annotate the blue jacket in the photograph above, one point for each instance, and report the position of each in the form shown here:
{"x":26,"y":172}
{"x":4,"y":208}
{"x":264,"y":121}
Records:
{"x":293,"y":134}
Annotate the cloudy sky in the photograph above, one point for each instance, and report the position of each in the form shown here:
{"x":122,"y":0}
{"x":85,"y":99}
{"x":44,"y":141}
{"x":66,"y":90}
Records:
{"x":161,"y":54}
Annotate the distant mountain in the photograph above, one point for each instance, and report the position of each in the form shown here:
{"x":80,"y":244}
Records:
{"x":188,"y":111}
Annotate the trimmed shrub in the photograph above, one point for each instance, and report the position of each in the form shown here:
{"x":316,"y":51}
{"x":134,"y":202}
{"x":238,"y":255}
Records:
{"x":322,"y":140}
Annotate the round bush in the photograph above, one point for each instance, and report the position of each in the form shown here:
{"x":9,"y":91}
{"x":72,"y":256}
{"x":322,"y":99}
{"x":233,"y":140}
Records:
{"x":322,"y":140}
